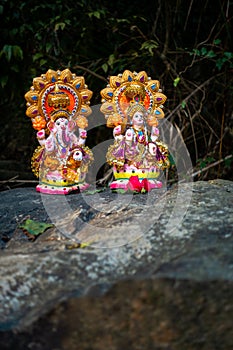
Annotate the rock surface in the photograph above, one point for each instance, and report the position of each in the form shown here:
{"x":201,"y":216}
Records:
{"x":157,"y":271}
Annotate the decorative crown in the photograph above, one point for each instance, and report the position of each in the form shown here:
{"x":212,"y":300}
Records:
{"x":135,"y":93}
{"x":58,"y":98}
{"x":136,"y":107}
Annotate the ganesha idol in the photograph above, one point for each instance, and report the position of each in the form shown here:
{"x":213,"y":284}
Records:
{"x":58,"y":104}
{"x":132,"y":104}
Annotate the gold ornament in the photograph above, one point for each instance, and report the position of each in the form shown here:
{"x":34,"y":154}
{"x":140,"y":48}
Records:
{"x":57,"y":94}
{"x":130,"y":88}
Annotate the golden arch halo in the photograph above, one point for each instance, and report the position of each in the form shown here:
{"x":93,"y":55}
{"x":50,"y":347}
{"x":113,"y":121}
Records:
{"x":38,"y":108}
{"x":130,"y":88}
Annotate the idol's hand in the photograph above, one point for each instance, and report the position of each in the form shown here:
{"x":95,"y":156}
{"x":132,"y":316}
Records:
{"x":117,"y":130}
{"x":129,"y":135}
{"x":154,"y":133}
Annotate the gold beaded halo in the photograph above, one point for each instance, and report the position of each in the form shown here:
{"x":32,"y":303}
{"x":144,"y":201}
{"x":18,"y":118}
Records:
{"x":69,"y":92}
{"x":127,"y":89}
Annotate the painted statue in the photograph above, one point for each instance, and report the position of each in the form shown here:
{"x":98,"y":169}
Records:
{"x":132,"y":105}
{"x":58,"y":104}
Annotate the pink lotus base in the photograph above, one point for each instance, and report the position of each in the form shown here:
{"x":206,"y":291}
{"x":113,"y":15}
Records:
{"x":123,"y":184}
{"x":48,"y":189}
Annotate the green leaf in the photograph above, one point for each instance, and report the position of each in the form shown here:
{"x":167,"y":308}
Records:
{"x":210,"y":160}
{"x":228,"y":162}
{"x":104,"y":67}
{"x":217,"y":41}
{"x":203,"y":51}
{"x":37,"y":56}
{"x":196,"y":52}
{"x":12,"y":50}
{"x":171,"y":160}
{"x":35,"y":228}
{"x":141,"y":18}
{"x":17,"y":52}
{"x":48,"y":47}
{"x":111,"y":60}
{"x":183,"y":104}
{"x":121,"y":20}
{"x":149,"y":45}
{"x":121,"y":191}
{"x":7,"y":50}
{"x":3,"y":80}
{"x":60,"y":25}
{"x":176,"y":81}
{"x":219,"y":63}
{"x":42,"y":62}
{"x":94,"y":191}
{"x":202,"y":164}
{"x":211,"y":54}
{"x":78,"y":245}
{"x":95,"y":14}
{"x":229,"y":55}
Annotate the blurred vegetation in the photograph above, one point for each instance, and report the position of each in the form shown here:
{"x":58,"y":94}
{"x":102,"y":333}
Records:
{"x":185,"y":45}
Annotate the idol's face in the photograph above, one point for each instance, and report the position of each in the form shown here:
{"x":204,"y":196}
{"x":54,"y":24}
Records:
{"x":138,"y":119}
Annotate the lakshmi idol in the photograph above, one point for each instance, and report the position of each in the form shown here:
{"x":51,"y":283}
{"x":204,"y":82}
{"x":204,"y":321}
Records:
{"x":132,"y":105}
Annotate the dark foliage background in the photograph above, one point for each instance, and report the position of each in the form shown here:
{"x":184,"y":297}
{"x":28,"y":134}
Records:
{"x":187,"y":45}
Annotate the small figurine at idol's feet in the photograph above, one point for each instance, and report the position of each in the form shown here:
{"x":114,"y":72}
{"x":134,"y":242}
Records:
{"x":58,"y":103}
{"x":132,"y":105}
